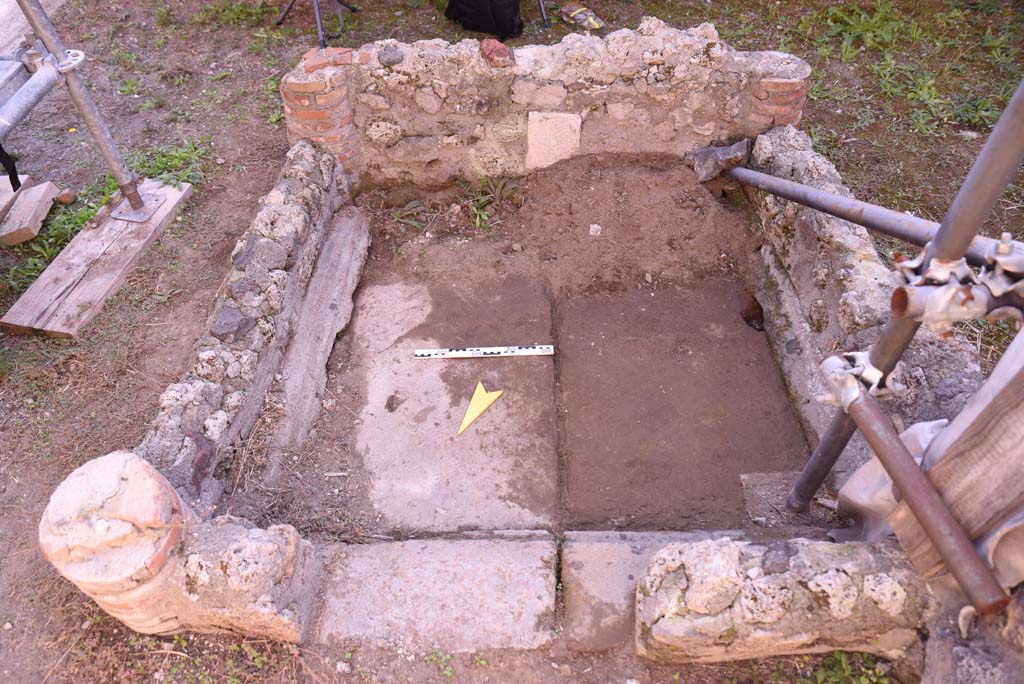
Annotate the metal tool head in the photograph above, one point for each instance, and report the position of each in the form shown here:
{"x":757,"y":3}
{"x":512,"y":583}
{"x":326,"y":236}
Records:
{"x":708,"y":163}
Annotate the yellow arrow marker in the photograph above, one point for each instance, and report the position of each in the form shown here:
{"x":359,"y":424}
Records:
{"x":481,"y":401}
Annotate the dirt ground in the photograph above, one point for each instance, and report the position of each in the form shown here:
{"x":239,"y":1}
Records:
{"x":165,"y":73}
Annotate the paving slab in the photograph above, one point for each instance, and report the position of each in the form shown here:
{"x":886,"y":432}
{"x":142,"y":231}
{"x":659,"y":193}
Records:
{"x":599,"y":572}
{"x":457,"y":595}
{"x":502,"y":473}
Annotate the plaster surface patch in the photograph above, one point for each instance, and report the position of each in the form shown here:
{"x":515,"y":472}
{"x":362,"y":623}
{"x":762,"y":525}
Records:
{"x":499,"y":474}
{"x":551,"y":137}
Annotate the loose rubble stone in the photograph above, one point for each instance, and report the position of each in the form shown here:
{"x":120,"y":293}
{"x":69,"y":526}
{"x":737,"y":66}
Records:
{"x":712,"y":601}
{"x":497,"y":53}
{"x":390,"y":55}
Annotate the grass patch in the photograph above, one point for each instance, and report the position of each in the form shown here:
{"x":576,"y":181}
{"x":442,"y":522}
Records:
{"x":172,"y":164}
{"x":238,"y":13}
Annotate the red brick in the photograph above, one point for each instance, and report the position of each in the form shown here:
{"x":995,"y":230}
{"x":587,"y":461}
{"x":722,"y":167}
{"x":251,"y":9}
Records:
{"x":363,"y":58}
{"x":332,"y":96}
{"x":782,"y":85}
{"x":312,"y":115}
{"x":315,"y":85}
{"x":788,"y":98}
{"x":768,"y":108}
{"x":316,"y":63}
{"x":497,"y":53}
{"x":296,"y":100}
{"x":306,"y":128}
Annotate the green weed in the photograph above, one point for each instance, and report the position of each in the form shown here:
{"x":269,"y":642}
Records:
{"x":442,"y":661}
{"x":409,"y":214}
{"x":234,"y":13}
{"x":164,"y":17}
{"x":123,"y":57}
{"x":841,"y":668}
{"x":491,"y":194}
{"x":129,"y":87}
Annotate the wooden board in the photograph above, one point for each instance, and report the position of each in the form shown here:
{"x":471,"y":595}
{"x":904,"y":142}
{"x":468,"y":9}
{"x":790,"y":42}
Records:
{"x":981,"y":472}
{"x":7,"y":195}
{"x":25,"y":218}
{"x":73,"y":289}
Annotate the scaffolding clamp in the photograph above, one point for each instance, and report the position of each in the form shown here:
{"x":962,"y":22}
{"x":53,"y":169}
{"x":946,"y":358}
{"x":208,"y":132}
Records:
{"x":851,"y":373}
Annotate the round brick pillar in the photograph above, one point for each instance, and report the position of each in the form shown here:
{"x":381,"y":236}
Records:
{"x":110,"y":528}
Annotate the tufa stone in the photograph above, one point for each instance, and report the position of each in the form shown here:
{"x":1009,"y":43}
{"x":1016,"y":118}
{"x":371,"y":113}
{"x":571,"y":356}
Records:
{"x":390,"y":55}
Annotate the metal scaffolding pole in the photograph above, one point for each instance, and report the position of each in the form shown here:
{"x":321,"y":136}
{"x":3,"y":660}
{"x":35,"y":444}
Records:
{"x":44,"y":30}
{"x":992,"y":171}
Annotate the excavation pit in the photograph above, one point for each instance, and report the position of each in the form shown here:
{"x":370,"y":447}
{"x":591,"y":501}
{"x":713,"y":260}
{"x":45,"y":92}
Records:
{"x":661,"y":394}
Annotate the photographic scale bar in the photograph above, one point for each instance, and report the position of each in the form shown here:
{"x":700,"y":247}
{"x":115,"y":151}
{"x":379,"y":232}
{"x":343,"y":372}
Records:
{"x":482,"y":352}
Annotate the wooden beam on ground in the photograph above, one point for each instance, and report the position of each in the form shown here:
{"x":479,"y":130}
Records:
{"x":979,"y":476}
{"x":7,"y":195}
{"x":74,"y":287}
{"x":25,"y":218}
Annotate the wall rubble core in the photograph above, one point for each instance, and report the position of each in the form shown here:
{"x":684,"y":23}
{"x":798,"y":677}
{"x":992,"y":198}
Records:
{"x":431,"y":112}
{"x":719,"y":599}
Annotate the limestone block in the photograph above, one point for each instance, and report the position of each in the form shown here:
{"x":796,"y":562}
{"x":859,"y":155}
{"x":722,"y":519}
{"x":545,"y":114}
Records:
{"x":551,"y":137}
{"x":118,"y":530}
{"x":720,"y":599}
{"x":462,"y":594}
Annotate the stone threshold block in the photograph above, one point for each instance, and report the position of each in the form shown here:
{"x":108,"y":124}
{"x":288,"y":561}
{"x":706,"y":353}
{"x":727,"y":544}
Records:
{"x":460,"y":594}
{"x":118,"y":530}
{"x":718,"y":600}
{"x":600,"y":570}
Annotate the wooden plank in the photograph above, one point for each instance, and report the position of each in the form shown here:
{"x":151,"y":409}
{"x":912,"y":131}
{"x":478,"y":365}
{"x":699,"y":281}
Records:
{"x":26,"y":217}
{"x":981,"y":472}
{"x":7,"y":195}
{"x":74,"y":287}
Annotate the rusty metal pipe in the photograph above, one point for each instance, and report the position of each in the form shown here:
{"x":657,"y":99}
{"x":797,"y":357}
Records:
{"x":945,"y":533}
{"x":41,"y":26}
{"x":917,"y":231}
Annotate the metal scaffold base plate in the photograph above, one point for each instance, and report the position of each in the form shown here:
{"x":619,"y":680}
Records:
{"x":151,"y":201}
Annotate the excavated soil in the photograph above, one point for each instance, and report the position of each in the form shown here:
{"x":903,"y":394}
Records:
{"x":664,"y":388}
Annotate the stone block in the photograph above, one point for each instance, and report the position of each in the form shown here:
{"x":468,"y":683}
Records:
{"x":551,"y":137}
{"x":720,"y":600}
{"x":460,"y":595}
{"x":599,"y":575}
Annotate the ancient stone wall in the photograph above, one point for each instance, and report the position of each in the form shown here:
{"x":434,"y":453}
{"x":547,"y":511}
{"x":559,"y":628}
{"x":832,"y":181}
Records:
{"x":825,"y":289}
{"x":432,"y":112}
{"x":221,"y":394}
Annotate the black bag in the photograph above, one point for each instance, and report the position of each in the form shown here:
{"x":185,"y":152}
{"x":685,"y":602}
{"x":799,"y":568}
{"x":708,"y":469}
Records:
{"x":7,"y":161}
{"x":500,"y":17}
